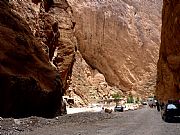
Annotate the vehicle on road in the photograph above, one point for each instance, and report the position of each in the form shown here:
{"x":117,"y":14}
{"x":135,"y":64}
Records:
{"x":125,"y":108}
{"x":144,"y":103}
{"x":118,"y":108}
{"x":171,"y":111}
{"x":151,"y":102}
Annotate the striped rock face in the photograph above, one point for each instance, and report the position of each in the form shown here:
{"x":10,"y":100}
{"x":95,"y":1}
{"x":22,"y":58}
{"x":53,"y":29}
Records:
{"x":120,"y":39}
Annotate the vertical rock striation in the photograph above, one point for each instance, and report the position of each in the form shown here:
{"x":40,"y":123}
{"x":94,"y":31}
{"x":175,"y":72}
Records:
{"x":168,"y":74}
{"x":121,"y":40}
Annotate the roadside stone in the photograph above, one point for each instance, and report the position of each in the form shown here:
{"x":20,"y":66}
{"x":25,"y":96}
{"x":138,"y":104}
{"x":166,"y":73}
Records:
{"x":17,"y":121}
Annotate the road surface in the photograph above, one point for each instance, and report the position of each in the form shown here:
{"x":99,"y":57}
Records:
{"x":144,"y":121}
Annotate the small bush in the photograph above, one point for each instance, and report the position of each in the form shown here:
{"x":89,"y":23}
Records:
{"x":130,"y":99}
{"x":116,"y":96}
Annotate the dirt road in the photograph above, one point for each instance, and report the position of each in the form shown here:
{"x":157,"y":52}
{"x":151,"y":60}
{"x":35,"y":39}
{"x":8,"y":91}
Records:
{"x":145,"y":121}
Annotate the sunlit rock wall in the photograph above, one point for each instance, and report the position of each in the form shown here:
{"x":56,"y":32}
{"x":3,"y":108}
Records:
{"x":120,"y":39}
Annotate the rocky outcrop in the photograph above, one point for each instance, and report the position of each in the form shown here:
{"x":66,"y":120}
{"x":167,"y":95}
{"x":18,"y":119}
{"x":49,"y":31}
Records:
{"x":168,"y":75}
{"x":121,"y":40}
{"x":87,"y":84}
{"x":51,"y":22}
{"x":29,"y":84}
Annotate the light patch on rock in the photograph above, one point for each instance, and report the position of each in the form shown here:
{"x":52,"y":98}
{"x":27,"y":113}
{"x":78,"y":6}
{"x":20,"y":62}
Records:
{"x":17,"y":121}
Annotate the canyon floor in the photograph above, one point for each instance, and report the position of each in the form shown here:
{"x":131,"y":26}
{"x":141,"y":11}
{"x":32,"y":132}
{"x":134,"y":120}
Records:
{"x":145,"y":121}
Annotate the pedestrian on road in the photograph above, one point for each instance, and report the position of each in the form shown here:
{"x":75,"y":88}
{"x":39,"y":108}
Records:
{"x":158,"y":106}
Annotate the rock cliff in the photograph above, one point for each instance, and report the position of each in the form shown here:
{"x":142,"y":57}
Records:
{"x":168,"y":75}
{"x":120,"y":39}
{"x":117,"y":50}
{"x":87,"y":84}
{"x":51,"y":22}
{"x":29,"y":84}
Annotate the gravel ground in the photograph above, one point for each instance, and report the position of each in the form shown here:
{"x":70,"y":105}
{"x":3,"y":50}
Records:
{"x":144,"y":121}
{"x":10,"y":126}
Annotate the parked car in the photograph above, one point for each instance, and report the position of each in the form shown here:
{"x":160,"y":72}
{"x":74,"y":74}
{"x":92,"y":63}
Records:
{"x":171,"y":111}
{"x":125,"y":108}
{"x":144,"y":103}
{"x":118,"y":109}
{"x":151,"y":102}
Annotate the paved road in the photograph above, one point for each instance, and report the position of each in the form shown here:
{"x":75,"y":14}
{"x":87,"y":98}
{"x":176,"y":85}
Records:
{"x":145,"y":121}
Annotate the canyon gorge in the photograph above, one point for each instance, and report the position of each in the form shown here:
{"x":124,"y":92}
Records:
{"x":86,"y":49}
{"x":120,"y":40}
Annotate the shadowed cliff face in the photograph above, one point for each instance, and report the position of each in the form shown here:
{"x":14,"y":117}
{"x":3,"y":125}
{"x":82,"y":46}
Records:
{"x":120,"y":39}
{"x":51,"y":22}
{"x":168,"y":77}
{"x":29,"y":85}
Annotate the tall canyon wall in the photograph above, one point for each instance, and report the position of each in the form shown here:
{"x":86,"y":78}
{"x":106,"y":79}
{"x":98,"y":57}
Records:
{"x":168,"y":77}
{"x":29,"y":84}
{"x":120,"y":39}
{"x":51,"y":22}
{"x":37,"y":48}
{"x":116,"y":43}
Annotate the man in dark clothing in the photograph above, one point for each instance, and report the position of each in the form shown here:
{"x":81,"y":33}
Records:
{"x":158,"y":106}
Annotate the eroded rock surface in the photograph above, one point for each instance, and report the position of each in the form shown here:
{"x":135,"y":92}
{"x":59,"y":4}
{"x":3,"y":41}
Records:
{"x":29,"y":84}
{"x":168,"y":81}
{"x":51,"y":22}
{"x":121,"y":40}
{"x":87,"y":84}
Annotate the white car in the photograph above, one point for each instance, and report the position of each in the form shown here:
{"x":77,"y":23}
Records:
{"x":125,"y":108}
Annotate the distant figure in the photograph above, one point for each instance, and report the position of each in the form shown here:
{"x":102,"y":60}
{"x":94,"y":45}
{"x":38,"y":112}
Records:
{"x":102,"y":109}
{"x":158,"y":105}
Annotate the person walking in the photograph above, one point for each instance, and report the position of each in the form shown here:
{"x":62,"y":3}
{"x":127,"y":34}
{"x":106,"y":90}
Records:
{"x":158,"y":105}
